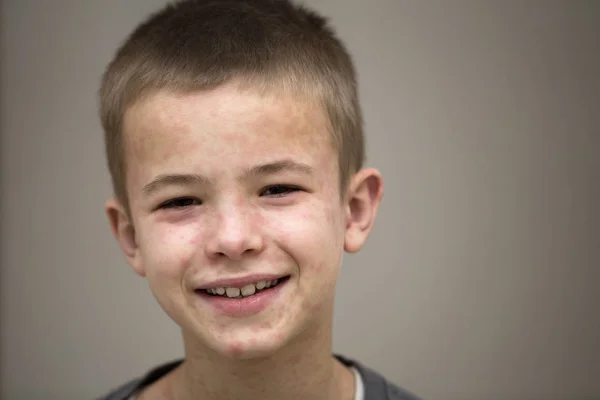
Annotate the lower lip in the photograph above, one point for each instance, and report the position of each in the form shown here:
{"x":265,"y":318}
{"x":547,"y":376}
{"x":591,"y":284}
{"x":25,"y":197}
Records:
{"x":244,"y":306}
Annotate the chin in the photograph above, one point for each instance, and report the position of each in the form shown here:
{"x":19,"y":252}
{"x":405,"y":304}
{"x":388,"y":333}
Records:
{"x":251,"y":343}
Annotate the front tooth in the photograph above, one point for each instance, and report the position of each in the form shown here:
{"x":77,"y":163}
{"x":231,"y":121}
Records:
{"x":267,"y":284}
{"x":232,"y":292}
{"x":220,"y":291}
{"x":248,"y":290}
{"x":261,"y":285}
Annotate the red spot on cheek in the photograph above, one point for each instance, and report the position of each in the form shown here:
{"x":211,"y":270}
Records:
{"x":192,"y":239}
{"x":319,"y":267}
{"x":279,"y":336}
{"x":183,"y":260}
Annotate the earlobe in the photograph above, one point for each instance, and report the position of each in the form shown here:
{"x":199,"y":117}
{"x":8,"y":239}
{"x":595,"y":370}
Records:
{"x":124,"y":231}
{"x":364,"y":195}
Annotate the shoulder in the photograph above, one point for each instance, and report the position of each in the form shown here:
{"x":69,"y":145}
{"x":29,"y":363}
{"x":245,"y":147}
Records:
{"x":126,"y":390}
{"x":376,"y":386}
{"x":123,"y":392}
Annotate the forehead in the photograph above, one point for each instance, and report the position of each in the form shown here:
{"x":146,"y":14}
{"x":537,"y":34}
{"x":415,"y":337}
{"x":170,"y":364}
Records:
{"x":222,"y":127}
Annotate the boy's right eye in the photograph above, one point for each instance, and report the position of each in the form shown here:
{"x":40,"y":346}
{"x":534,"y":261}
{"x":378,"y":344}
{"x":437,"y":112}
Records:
{"x":180,"y":202}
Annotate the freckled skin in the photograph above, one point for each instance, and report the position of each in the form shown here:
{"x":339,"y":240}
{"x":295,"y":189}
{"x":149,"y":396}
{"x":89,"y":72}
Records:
{"x":236,"y":230}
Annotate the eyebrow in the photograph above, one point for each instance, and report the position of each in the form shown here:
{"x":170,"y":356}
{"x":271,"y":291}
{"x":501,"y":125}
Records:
{"x":278,"y":166}
{"x":195,"y":179}
{"x":173,"y":180}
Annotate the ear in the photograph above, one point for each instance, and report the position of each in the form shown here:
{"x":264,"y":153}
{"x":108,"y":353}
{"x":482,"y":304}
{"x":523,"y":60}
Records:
{"x":124,"y":231}
{"x":364,"y":194}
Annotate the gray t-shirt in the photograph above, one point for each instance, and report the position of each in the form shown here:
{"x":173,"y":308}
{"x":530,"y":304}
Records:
{"x":375,"y":386}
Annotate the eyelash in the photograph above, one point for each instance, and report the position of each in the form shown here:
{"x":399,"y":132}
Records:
{"x":287,"y":188}
{"x":192,"y":201}
{"x":173,"y":203}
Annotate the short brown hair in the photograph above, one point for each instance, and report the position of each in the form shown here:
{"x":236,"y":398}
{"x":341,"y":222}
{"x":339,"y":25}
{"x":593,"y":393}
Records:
{"x":194,"y":45}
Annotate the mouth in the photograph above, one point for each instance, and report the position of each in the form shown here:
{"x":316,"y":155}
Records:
{"x":251,"y":289}
{"x":240,"y":301}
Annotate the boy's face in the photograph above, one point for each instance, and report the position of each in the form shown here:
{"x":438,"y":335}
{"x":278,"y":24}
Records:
{"x":229,"y":189}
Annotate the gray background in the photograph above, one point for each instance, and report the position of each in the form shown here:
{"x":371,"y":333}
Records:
{"x":481,"y":278}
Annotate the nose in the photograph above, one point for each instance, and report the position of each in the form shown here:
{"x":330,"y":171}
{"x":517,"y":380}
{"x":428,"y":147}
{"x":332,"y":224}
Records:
{"x":234,"y":233}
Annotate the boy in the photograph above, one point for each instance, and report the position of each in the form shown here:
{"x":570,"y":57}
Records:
{"x":234,"y":141}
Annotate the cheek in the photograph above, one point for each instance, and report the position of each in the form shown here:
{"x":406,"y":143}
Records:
{"x":168,"y":250}
{"x":313,"y":237}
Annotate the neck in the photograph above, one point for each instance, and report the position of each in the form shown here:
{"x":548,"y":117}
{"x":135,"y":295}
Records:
{"x":304,"y":369}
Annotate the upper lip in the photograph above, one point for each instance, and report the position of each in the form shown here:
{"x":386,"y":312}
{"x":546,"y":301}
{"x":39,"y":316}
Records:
{"x":240,"y":281}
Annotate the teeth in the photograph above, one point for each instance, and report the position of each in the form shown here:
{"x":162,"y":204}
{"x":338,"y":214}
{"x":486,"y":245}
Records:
{"x":248,"y":290}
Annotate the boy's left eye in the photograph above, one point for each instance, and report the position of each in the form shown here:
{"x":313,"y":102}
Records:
{"x":279,"y":190}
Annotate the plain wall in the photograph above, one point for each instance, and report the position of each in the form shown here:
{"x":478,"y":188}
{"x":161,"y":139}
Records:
{"x":481,"y":279}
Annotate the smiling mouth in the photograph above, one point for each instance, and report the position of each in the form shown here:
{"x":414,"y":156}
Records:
{"x":245,"y":291}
